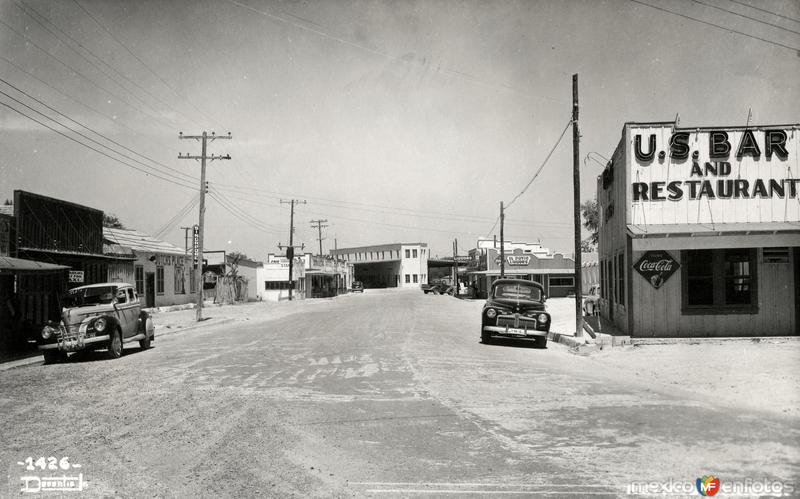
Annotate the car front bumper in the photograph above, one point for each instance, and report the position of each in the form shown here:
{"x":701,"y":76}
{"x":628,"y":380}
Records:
{"x":74,"y":344}
{"x":514,"y":332}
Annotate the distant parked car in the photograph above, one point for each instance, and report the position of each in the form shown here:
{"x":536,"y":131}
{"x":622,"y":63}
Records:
{"x":515,"y":309}
{"x":358,"y":287}
{"x":591,"y":301}
{"x":97,"y":316}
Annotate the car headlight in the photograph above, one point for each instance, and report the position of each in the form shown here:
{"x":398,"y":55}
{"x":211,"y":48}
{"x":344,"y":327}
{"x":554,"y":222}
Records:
{"x":491,"y":313}
{"x":48,"y":332}
{"x":99,"y":324}
{"x":543,"y":318}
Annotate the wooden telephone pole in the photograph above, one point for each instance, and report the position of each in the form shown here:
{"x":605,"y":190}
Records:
{"x":290,"y":248}
{"x":319,"y":227}
{"x":198,"y":268}
{"x":502,"y":243}
{"x":576,"y":201}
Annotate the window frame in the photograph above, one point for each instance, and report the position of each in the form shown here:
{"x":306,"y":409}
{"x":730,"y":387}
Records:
{"x":718,"y":305}
{"x":159,"y":280}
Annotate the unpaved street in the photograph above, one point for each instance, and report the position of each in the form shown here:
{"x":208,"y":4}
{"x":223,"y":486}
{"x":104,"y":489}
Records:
{"x":385,"y":394}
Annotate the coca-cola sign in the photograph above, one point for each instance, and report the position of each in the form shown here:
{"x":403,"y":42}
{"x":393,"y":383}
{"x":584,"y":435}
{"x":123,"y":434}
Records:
{"x":656,"y":267}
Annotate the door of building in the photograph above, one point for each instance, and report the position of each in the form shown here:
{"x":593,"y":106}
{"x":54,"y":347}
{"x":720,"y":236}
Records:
{"x":150,"y":289}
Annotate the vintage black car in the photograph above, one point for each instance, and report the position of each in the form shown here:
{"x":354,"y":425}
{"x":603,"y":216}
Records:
{"x":97,"y":316}
{"x":515,"y":309}
{"x":358,"y":287}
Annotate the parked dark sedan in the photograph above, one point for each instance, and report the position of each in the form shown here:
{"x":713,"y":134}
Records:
{"x":515,"y":309}
{"x":358,"y":287}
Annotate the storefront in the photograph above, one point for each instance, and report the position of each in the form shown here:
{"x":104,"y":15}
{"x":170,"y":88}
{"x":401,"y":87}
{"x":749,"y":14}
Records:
{"x":700,"y":231}
{"x":532,"y":262}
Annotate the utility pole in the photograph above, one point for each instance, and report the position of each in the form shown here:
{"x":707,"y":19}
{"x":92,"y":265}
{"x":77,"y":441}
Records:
{"x":290,"y":248}
{"x":455,"y":267}
{"x":319,"y":227}
{"x":576,"y":201}
{"x":198,"y":268}
{"x":186,"y":240}
{"x":502,"y":243}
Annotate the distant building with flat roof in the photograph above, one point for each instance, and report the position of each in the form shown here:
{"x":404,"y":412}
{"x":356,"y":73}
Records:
{"x":395,"y":265}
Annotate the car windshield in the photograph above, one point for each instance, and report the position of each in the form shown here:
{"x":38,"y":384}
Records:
{"x":517,"y":291}
{"x":84,"y":297}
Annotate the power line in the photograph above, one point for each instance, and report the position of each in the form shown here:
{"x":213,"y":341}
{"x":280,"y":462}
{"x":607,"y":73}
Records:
{"x":746,"y":17}
{"x":715,"y":25}
{"x":72,"y":69}
{"x":451,"y":72}
{"x":542,"y":165}
{"x":766,"y":11}
{"x":100,"y":59}
{"x":92,"y":148}
{"x":98,"y":68}
{"x":201,"y":113}
{"x":176,"y":173}
{"x":109,"y":118}
{"x":245,"y":196}
{"x":177,"y":217}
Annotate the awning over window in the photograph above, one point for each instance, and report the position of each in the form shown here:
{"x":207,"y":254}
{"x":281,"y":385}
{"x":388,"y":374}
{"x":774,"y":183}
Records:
{"x":10,"y":265}
{"x":714,"y":236}
{"x":512,"y":271}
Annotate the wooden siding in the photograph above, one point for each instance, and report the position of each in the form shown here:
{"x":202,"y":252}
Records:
{"x":657,"y":312}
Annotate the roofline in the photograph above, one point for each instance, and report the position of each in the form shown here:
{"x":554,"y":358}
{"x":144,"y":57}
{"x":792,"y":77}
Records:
{"x":352,"y":248}
{"x":708,"y":128}
{"x":42,"y":196}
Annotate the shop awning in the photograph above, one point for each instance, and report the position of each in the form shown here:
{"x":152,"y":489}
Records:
{"x":714,"y":236}
{"x":10,"y":265}
{"x":522,"y":272}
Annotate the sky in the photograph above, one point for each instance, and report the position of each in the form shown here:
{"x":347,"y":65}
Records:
{"x":395,"y":121}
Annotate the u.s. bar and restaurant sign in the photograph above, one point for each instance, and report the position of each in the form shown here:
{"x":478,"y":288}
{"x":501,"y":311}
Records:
{"x":713,"y":175}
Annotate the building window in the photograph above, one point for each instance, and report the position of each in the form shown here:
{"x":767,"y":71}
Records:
{"x":408,"y":277}
{"x":278,"y":285}
{"x":415,"y":278}
{"x":139,"y":276}
{"x":408,"y":253}
{"x":415,"y":253}
{"x":562,"y":281}
{"x":180,"y":280}
{"x":159,"y":280}
{"x":621,"y":278}
{"x":719,"y":281}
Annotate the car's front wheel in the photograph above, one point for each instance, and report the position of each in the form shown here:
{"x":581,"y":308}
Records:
{"x":115,"y":345}
{"x":541,"y":342}
{"x":486,"y":338}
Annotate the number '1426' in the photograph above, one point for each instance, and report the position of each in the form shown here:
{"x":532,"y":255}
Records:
{"x":48,"y":463}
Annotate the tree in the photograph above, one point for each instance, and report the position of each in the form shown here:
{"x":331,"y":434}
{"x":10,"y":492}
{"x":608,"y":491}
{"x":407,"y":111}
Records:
{"x":237,"y":256}
{"x":112,"y":221}
{"x":591,"y":222}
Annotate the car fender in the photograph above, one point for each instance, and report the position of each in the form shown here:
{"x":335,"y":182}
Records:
{"x":146,"y":324}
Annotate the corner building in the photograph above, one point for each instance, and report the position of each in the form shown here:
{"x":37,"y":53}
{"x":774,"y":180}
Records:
{"x":700,"y":231}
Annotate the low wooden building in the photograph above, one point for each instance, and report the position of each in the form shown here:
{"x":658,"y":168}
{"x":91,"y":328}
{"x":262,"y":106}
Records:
{"x":700,"y":231}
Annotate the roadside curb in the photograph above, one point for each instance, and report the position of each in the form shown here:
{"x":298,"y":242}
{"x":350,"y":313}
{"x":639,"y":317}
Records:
{"x":567,"y":340}
{"x":706,"y":340}
{"x":205,"y":323}
{"x":4,"y":366}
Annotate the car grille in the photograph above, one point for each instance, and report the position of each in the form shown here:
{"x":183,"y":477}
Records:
{"x":68,"y":332}
{"x":516,"y":321}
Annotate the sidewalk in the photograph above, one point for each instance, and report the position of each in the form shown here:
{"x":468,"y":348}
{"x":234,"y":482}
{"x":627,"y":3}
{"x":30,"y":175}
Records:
{"x":182,"y":318}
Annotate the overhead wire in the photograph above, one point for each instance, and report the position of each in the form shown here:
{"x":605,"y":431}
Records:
{"x":175,"y":177}
{"x":175,"y":173}
{"x":82,"y":75}
{"x":169,"y":224}
{"x":94,"y":149}
{"x":153,"y":72}
{"x":766,"y":11}
{"x":89,"y":51}
{"x":746,"y":17}
{"x":546,"y":159}
{"x":771,"y":42}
